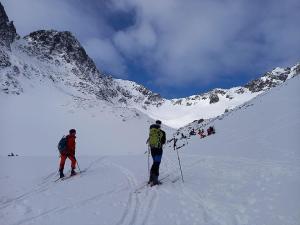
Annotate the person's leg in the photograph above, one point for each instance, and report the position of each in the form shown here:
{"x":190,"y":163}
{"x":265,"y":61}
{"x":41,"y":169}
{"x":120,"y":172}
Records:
{"x":62,"y":165}
{"x":157,"y":160}
{"x":153,"y":167}
{"x":62,"y":162}
{"x":73,"y":162}
{"x":154,"y":173}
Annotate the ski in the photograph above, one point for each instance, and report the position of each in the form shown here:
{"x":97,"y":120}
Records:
{"x":69,"y":176}
{"x":138,"y":190}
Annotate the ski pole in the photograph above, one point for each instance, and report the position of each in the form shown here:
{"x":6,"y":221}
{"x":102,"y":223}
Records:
{"x":77,"y":165}
{"x":148,"y":159}
{"x":178,"y":159}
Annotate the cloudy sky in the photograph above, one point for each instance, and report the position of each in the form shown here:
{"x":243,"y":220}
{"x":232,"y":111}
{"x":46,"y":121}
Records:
{"x":174,"y":47}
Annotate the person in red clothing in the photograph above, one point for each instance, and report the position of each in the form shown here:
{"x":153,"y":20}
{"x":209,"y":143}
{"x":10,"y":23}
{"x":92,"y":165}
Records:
{"x":70,"y":153}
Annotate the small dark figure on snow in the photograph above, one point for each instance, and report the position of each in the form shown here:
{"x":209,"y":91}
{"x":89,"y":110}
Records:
{"x":192,"y":132}
{"x":210,"y":130}
{"x":175,"y":143}
{"x":68,"y":152}
{"x":156,"y":140}
{"x":201,"y":133}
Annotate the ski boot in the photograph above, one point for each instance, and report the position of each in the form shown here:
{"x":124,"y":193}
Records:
{"x":61,"y":174}
{"x":155,"y":181}
{"x":73,"y":172}
{"x":151,"y":178}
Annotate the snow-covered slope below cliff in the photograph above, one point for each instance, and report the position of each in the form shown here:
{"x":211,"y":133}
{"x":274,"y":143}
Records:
{"x":32,"y":123}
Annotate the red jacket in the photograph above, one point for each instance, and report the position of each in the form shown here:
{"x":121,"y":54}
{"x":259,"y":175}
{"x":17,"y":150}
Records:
{"x":71,"y":144}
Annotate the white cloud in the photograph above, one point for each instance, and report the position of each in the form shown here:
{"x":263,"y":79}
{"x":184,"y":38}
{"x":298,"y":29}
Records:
{"x":136,"y":41}
{"x":201,"y":41}
{"x":32,"y":15}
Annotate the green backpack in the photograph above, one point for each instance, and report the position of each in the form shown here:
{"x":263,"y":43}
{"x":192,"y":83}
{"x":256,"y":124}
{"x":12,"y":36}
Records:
{"x":155,"y":138}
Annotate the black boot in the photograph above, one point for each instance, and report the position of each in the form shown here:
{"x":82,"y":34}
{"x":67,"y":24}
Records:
{"x":73,"y":172}
{"x":151,"y":179}
{"x":155,"y":180}
{"x":61,"y":174}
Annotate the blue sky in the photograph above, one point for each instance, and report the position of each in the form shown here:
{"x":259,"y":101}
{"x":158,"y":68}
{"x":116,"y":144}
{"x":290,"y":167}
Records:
{"x":176,"y":48}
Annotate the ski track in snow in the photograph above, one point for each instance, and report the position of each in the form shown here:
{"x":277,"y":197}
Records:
{"x":140,"y":208}
{"x":46,"y":184}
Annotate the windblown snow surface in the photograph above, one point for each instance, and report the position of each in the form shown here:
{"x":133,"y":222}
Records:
{"x":247,"y":173}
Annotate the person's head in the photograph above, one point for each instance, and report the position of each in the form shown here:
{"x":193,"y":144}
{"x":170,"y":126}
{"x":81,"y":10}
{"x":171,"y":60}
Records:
{"x":72,"y":132}
{"x":158,"y":122}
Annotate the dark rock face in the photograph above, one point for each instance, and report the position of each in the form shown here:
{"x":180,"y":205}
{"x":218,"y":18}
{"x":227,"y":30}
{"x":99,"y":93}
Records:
{"x":240,"y":91}
{"x":4,"y":59}
{"x":219,"y":91}
{"x":48,"y":44}
{"x":297,"y":70}
{"x":152,"y":98}
{"x":268,"y":81}
{"x":213,"y":98}
{"x":7,"y":29}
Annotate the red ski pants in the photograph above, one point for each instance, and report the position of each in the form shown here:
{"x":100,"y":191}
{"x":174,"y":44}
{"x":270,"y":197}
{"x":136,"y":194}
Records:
{"x":63,"y":160}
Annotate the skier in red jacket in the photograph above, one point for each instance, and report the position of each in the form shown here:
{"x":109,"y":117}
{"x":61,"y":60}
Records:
{"x":70,"y":153}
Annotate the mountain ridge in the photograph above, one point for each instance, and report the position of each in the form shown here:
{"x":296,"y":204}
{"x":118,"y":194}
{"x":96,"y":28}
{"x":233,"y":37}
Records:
{"x":59,"y":57}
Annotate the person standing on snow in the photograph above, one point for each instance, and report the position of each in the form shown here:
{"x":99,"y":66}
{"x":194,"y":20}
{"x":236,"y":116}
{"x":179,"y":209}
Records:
{"x":156,"y":140}
{"x":68,"y":153}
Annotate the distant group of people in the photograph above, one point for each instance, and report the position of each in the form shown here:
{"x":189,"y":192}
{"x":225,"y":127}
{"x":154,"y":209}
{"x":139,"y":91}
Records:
{"x":201,"y":132}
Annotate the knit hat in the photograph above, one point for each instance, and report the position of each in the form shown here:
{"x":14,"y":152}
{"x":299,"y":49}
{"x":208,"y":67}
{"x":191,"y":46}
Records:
{"x":72,"y":131}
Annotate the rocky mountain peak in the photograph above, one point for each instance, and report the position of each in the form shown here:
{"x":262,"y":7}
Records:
{"x":272,"y":79}
{"x":7,"y":29}
{"x":51,"y":44}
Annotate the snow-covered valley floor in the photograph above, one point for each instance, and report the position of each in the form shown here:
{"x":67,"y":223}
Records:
{"x":217,"y":190}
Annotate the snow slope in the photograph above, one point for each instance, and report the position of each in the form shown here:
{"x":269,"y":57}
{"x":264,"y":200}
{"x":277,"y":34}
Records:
{"x":247,"y":173}
{"x":38,"y":118}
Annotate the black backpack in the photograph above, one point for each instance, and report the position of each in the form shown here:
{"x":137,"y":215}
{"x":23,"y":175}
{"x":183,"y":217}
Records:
{"x":62,"y":145}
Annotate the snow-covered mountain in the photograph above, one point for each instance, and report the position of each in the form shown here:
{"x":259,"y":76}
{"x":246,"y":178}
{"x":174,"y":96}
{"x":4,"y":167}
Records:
{"x":58,"y":57}
{"x":180,"y":112}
